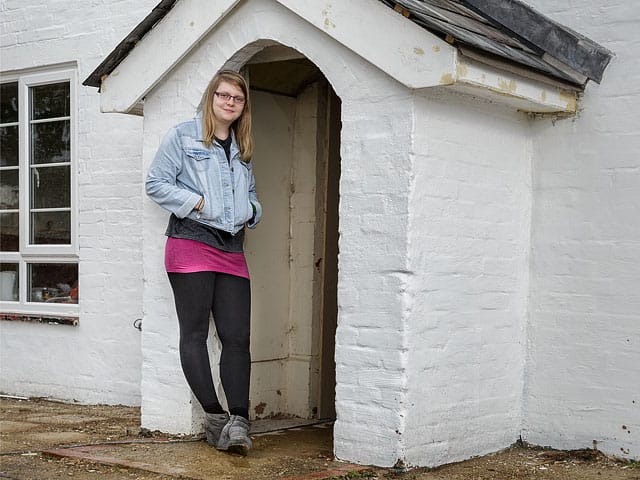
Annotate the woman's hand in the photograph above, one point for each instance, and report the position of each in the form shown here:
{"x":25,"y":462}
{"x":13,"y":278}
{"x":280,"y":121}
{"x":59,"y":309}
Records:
{"x":199,"y":206}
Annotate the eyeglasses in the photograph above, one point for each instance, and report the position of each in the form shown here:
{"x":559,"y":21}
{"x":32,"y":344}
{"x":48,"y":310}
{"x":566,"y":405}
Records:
{"x":225,"y":97}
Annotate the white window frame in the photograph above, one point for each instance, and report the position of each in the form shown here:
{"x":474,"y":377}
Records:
{"x":33,"y":253}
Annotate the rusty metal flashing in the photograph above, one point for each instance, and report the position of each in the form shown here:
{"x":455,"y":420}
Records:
{"x":39,"y":318}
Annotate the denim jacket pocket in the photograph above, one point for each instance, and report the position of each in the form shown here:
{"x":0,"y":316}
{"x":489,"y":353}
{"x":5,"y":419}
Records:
{"x":199,"y":157}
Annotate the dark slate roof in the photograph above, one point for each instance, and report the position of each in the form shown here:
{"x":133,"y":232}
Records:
{"x":507,"y":29}
{"x":513,"y":31}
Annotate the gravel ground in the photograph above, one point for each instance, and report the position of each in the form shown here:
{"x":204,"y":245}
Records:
{"x":29,"y":428}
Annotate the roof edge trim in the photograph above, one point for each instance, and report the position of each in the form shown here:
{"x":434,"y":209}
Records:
{"x":121,"y":51}
{"x":512,"y":89}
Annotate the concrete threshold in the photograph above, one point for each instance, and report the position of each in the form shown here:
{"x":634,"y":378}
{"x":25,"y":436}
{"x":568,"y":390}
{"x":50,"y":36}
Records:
{"x":285,"y":449}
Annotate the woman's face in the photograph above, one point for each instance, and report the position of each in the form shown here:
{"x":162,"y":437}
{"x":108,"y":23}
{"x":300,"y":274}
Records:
{"x":227,"y":110}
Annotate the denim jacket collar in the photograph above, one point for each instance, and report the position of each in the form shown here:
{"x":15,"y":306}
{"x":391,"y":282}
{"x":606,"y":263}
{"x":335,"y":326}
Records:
{"x":199,"y":123}
{"x":199,"y":126}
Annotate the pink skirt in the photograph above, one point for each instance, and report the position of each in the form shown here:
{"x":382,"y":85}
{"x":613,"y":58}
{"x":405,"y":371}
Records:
{"x":188,"y":256}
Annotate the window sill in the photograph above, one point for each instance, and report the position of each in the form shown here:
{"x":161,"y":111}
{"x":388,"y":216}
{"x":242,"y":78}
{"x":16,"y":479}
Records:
{"x":40,"y":318}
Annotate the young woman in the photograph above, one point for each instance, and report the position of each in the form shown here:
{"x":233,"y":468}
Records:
{"x":202,"y":174}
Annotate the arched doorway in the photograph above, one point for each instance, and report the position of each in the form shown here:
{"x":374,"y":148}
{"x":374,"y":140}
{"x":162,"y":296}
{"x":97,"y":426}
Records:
{"x":293,"y":254}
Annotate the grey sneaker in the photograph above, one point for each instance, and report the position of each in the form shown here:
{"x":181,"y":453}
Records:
{"x":213,"y":425}
{"x":235,"y":436}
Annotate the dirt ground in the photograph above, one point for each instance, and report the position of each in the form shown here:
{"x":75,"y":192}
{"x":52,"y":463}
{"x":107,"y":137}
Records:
{"x":106,"y":443}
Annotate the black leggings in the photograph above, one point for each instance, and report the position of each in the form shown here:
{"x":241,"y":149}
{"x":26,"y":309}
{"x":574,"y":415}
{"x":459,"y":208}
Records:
{"x":228,"y":297}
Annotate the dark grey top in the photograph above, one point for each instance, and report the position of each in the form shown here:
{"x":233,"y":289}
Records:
{"x":188,"y":229}
{"x":226,"y":145}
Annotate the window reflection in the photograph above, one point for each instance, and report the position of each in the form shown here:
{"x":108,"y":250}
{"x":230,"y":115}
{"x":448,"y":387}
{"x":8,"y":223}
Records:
{"x":53,"y":282}
{"x":50,"y":142}
{"x":9,"y":282}
{"x":9,"y":142}
{"x":9,"y":189}
{"x":9,"y":102}
{"x":51,"y":228}
{"x":48,"y":187}
{"x":50,"y":101}
{"x":9,"y":233}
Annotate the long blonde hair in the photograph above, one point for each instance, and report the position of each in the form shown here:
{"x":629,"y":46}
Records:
{"x":242,"y":126}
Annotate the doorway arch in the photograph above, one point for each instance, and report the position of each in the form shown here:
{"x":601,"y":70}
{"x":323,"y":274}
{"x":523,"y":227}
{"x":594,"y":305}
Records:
{"x":293,"y":254}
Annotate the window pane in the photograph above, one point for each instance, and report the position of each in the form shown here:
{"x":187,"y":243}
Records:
{"x":50,"y":101}
{"x":53,"y":282}
{"x":9,"y":282}
{"x":50,"y":142}
{"x":9,"y":189}
{"x":9,"y":146}
{"x":50,"y":187}
{"x":9,"y":232}
{"x":51,"y":228}
{"x":9,"y":102}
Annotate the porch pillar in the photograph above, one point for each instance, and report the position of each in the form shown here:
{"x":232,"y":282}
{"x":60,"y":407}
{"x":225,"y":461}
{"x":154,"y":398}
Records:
{"x":370,"y":339}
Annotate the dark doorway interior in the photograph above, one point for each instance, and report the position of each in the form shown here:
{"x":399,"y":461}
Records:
{"x":280,"y":70}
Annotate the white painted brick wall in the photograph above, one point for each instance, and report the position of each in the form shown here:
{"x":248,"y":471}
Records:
{"x":453,"y":312}
{"x":99,"y":360}
{"x":374,"y":190}
{"x":368,"y":374}
{"x":467,"y":284}
{"x":166,"y":397}
{"x":583,"y":367}
{"x":432,"y":331}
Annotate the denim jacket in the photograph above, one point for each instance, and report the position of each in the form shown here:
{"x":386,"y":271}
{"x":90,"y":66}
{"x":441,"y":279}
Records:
{"x":184,"y":170}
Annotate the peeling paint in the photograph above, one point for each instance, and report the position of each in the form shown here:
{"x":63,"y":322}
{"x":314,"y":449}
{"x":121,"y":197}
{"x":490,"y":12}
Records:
{"x":102,"y":84}
{"x":507,"y":86}
{"x":259,"y":409}
{"x":570,"y":98}
{"x":418,"y":51}
{"x":447,"y":79}
{"x":327,"y":22}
